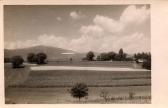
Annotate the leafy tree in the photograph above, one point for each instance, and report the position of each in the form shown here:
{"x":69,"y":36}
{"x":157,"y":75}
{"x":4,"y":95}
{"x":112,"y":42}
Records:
{"x":111,"y":55}
{"x":147,"y":64}
{"x":31,"y":58}
{"x":41,"y":58}
{"x":79,"y":90}
{"x":17,"y":61}
{"x":104,"y":57}
{"x":90,"y":55}
{"x":146,"y":57}
{"x":117,"y":57}
{"x":98,"y":58}
{"x":121,"y":52}
{"x":121,"y":55}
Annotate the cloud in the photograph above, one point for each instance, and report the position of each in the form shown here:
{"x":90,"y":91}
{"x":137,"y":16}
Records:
{"x":106,"y":34}
{"x":131,"y":43}
{"x":131,"y":16}
{"x":76,"y":15}
{"x":59,"y":18}
{"x":102,"y":35}
{"x":134,"y":15}
{"x":48,"y":40}
{"x":108,"y":24}
{"x":91,"y":30}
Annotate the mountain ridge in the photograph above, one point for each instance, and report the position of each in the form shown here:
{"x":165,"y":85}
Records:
{"x":53,"y":53}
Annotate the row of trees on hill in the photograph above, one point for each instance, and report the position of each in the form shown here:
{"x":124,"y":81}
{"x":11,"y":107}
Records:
{"x":145,"y":58}
{"x":120,"y":56}
{"x":17,"y":61}
{"x":142,"y":55}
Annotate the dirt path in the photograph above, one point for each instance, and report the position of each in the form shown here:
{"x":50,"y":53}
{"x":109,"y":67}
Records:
{"x":44,"y":68}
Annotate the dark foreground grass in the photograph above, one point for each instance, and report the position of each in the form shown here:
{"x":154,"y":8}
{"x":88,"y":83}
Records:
{"x":62,"y":96}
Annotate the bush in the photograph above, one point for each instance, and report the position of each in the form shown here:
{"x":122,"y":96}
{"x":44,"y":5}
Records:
{"x":17,"y":62}
{"x":147,"y":64}
{"x":105,"y":95}
{"x":79,"y":90}
{"x":131,"y":95}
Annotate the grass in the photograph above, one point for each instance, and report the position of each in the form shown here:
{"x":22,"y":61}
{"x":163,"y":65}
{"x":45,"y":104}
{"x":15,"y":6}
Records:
{"x":94,"y":63}
{"x":94,"y":79}
{"x":61,"y":95}
{"x":27,"y":86}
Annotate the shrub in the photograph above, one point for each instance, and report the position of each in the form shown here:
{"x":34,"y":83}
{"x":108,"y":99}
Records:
{"x":17,"y":62}
{"x":147,"y":64}
{"x":131,"y":95}
{"x":79,"y":90}
{"x":105,"y":95}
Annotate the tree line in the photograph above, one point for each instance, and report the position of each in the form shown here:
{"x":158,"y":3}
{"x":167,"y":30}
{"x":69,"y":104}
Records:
{"x":144,"y":58}
{"x":40,"y":58}
{"x":17,"y":61}
{"x":120,"y":56}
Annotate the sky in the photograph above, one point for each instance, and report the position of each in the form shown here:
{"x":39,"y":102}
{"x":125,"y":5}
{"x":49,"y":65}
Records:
{"x":80,"y":28}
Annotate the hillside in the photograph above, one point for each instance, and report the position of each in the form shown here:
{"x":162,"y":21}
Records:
{"x":53,"y":53}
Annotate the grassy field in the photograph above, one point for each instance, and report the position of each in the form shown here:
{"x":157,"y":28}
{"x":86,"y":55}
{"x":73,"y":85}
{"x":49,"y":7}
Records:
{"x":62,"y":78}
{"x":94,"y":63}
{"x":32,"y":86}
{"x":61,"y":95}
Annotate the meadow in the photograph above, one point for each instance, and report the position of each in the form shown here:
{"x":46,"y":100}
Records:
{"x":52,"y":86}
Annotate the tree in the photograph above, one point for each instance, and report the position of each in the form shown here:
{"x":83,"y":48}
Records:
{"x":147,"y":63}
{"x":117,"y":57}
{"x":98,"y":58}
{"x":41,"y":58}
{"x":90,"y":55}
{"x":122,"y":55}
{"x":79,"y":90}
{"x":146,"y":57}
{"x":17,"y":61}
{"x":111,"y":55}
{"x":104,"y":57}
{"x":121,"y":52}
{"x":31,"y":58}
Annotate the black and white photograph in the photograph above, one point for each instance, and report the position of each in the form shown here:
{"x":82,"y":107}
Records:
{"x":77,"y":54}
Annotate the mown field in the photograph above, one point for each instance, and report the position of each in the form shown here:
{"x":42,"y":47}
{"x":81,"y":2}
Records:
{"x":62,"y":78}
{"x":94,"y":63}
{"x":32,"y":86}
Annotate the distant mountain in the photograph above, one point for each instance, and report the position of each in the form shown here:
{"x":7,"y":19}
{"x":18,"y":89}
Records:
{"x":53,"y":53}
